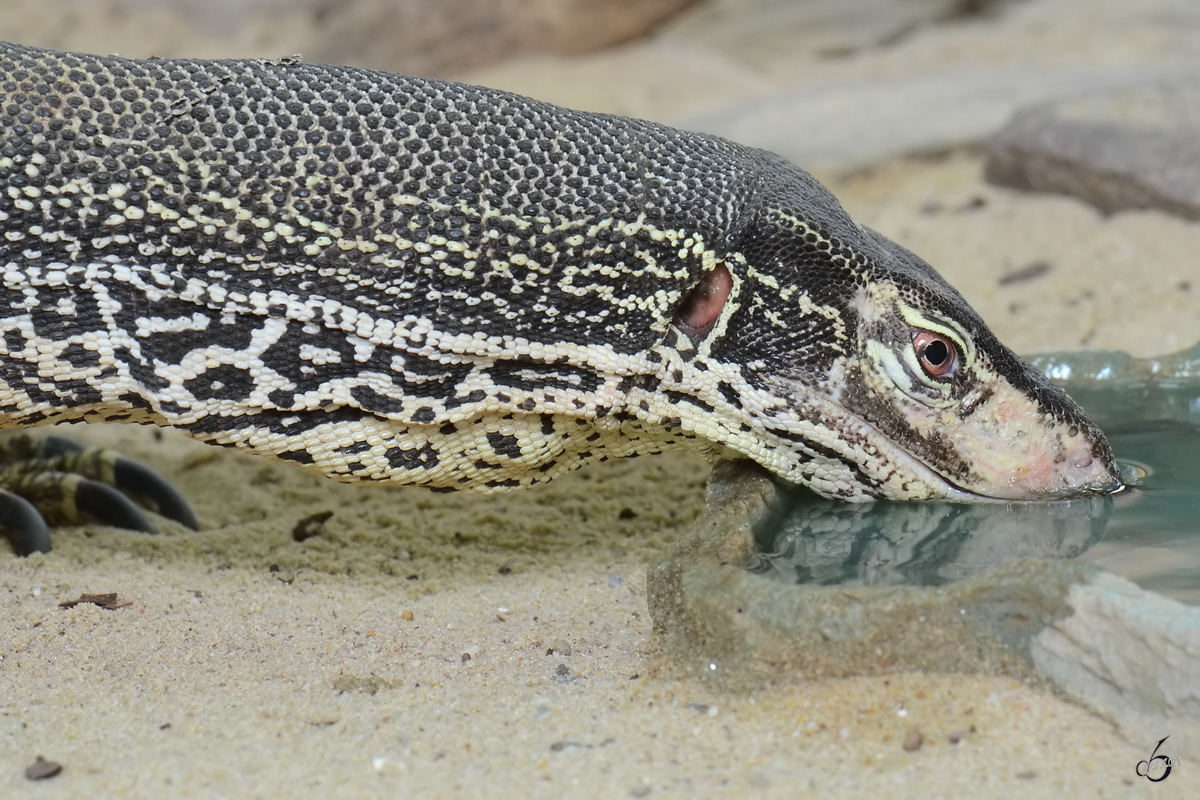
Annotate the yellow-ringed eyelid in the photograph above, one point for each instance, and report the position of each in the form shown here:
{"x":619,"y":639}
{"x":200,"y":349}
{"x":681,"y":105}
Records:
{"x":943,"y":327}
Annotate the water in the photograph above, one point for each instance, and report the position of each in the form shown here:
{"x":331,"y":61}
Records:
{"x":1153,"y":535}
{"x":1150,"y":410}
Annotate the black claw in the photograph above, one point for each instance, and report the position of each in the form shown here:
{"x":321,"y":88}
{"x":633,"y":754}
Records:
{"x":154,"y":491}
{"x":54,"y":480}
{"x":109,"y":507}
{"x":23,"y":525}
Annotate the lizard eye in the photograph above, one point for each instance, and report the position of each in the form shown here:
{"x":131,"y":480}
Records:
{"x":937,"y":354}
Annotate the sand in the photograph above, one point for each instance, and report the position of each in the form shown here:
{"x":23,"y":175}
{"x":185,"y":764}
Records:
{"x":439,"y":646}
{"x":484,"y":646}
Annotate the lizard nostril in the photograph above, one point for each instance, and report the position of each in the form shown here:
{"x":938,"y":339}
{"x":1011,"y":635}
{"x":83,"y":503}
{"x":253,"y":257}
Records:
{"x":1081,"y":456}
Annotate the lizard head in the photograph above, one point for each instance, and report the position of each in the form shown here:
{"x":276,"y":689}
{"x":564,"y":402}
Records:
{"x":867,"y":376}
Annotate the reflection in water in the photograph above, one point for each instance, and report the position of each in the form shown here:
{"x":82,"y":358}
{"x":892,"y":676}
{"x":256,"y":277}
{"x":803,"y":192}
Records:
{"x":1151,"y":412}
{"x":1153,"y":537}
{"x":814,"y":540}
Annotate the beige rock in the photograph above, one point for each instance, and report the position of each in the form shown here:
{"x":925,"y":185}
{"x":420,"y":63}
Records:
{"x":1135,"y":147}
{"x":1132,"y":655}
{"x":411,"y":36}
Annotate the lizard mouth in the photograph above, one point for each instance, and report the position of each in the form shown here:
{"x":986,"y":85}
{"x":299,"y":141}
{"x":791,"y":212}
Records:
{"x":967,"y":495}
{"x":1081,"y":467}
{"x":997,"y":457}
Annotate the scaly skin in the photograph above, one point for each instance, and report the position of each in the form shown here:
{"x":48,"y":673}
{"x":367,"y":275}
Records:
{"x":403,"y":279}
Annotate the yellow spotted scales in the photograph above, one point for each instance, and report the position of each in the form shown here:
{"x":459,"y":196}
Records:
{"x":402,"y":279}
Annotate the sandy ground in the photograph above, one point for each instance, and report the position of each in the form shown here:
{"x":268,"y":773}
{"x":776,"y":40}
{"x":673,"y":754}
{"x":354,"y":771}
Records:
{"x":251,"y":665}
{"x":461,"y":646}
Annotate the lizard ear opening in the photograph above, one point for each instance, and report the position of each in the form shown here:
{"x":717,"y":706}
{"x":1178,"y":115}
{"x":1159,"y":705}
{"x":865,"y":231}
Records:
{"x":703,"y":304}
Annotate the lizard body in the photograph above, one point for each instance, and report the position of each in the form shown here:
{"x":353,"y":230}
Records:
{"x":403,"y":279}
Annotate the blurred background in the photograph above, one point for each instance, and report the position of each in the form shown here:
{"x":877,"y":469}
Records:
{"x":895,"y":103}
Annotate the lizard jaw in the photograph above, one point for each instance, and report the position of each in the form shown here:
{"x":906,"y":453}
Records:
{"x":1006,"y":451}
{"x":1006,"y":448}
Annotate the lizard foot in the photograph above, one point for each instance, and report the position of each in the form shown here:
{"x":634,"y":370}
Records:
{"x":56,"y":481}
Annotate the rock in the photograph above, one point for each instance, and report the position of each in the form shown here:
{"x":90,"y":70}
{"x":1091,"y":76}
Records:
{"x":1132,"y":655}
{"x":913,"y":740}
{"x":759,"y":31}
{"x":857,"y":123}
{"x":41,"y":769}
{"x":414,"y":36}
{"x":1134,"y":147}
{"x":450,"y":36}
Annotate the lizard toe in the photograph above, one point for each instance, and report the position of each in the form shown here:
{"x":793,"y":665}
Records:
{"x":57,"y":481}
{"x":23,"y":525}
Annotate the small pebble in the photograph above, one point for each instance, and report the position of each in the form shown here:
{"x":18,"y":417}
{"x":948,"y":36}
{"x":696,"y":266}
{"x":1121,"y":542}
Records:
{"x":41,"y":769}
{"x":407,"y":615}
{"x":466,"y":657}
{"x":386,"y":766}
{"x":1027,"y":774}
{"x":562,"y":670}
{"x":956,"y":736}
{"x":913,"y":740}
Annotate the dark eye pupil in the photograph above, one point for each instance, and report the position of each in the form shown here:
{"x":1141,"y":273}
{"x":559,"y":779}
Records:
{"x":936,"y":353}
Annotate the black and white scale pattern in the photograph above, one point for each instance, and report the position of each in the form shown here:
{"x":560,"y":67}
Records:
{"x":395,"y":278}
